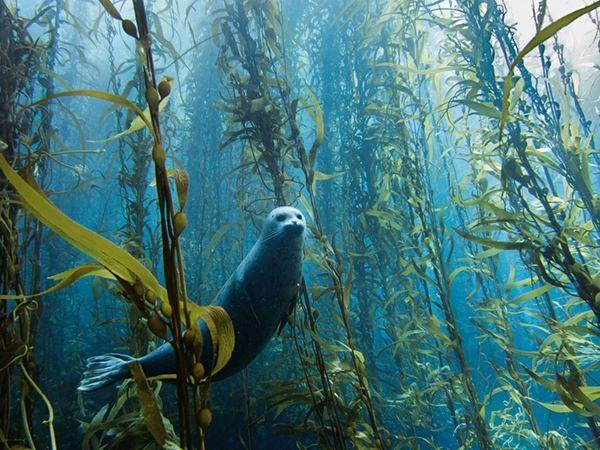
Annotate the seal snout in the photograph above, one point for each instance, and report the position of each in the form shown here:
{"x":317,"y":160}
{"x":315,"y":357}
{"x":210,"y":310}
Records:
{"x":284,"y":222}
{"x":294,"y":226}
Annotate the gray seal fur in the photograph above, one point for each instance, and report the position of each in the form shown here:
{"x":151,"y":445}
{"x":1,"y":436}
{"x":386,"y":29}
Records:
{"x":258,"y":296}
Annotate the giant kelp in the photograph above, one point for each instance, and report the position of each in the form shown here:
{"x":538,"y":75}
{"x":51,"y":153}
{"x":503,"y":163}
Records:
{"x":451,"y":275}
{"x":137,"y":282}
{"x":23,"y":138}
{"x":265,"y":117}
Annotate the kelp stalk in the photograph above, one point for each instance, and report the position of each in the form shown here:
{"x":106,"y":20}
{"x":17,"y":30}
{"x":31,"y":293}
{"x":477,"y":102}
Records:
{"x":172,"y":260}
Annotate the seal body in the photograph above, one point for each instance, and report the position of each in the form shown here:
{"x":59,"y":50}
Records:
{"x":258,"y":296}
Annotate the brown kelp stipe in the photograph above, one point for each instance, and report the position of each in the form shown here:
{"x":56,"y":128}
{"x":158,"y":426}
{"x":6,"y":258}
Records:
{"x":172,"y":224}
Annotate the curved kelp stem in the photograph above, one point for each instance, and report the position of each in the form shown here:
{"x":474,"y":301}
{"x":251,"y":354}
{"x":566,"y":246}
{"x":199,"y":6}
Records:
{"x":50,"y":420}
{"x":22,"y":63}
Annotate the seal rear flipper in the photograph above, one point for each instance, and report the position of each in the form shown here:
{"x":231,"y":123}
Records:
{"x":104,"y":370}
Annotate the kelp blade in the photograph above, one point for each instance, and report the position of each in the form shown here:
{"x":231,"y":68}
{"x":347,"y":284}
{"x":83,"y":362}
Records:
{"x":108,"y":254}
{"x":542,"y":36}
{"x":67,"y":278}
{"x":149,"y":408}
{"x":221,"y":331}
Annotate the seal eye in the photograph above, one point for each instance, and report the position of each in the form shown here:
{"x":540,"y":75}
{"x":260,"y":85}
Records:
{"x":299,"y":216}
{"x":280,"y":217}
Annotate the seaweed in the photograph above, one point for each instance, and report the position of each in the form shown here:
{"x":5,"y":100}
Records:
{"x":449,"y":172}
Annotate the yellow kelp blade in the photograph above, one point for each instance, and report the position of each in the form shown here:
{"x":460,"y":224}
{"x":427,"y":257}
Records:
{"x":316,"y":114}
{"x":577,"y":399}
{"x":221,"y":331}
{"x":149,"y":408}
{"x":106,"y":96}
{"x":112,"y":257}
{"x":100,"y":272}
{"x":66,"y":278}
{"x":141,"y":121}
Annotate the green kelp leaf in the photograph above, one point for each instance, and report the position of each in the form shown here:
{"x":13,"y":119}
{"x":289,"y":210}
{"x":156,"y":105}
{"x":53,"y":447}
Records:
{"x":347,"y":287}
{"x":516,"y":94}
{"x":290,"y":399}
{"x":150,"y":410}
{"x":316,"y":114}
{"x":502,"y":245}
{"x":259,"y":104}
{"x":214,"y":241}
{"x":576,"y":393}
{"x":567,"y":398}
{"x":207,"y":252}
{"x":577,"y":399}
{"x":67,"y":278}
{"x":483,"y":109}
{"x":111,"y":256}
{"x":554,"y":407}
{"x":489,"y":253}
{"x":545,"y":158}
{"x":546,"y":383}
{"x":585,"y":316}
{"x":531,"y":294}
{"x":421,"y":274}
{"x":456,"y":272}
{"x":221,"y":331}
{"x":320,"y":176}
{"x":541,"y":36}
{"x":476,"y":201}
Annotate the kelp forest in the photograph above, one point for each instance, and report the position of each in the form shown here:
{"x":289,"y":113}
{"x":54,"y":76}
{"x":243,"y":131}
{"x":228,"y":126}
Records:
{"x":442,"y":153}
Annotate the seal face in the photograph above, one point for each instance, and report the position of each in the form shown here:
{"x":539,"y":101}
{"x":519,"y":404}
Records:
{"x":259,"y":296}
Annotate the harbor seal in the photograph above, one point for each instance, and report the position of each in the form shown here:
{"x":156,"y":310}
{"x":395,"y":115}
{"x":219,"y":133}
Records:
{"x":258,"y":296}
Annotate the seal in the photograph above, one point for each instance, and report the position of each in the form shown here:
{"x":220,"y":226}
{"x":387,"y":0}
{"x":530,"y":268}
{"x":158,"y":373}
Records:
{"x":259,"y":296}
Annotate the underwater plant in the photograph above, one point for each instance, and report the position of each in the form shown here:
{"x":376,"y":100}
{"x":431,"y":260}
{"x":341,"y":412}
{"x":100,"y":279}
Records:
{"x":443,"y":154}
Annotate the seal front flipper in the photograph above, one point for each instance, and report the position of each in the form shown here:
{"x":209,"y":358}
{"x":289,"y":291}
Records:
{"x":104,"y":370}
{"x":287,"y":313}
{"x":285,"y":318}
{"x":243,"y":298}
